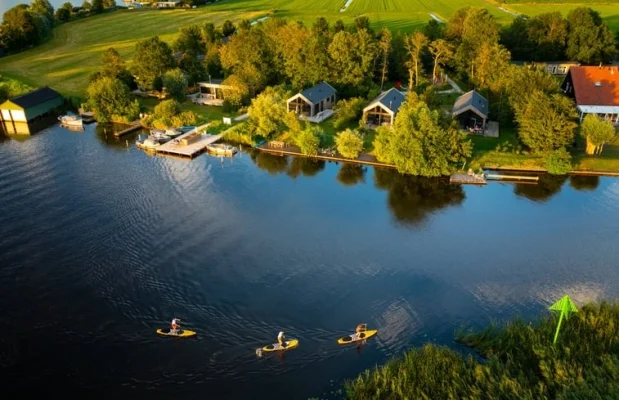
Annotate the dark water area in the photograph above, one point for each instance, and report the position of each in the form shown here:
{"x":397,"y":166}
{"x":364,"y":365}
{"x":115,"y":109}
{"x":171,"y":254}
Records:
{"x":101,"y":244}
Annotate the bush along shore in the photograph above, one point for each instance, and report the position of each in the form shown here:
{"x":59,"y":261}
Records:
{"x":518,"y":361}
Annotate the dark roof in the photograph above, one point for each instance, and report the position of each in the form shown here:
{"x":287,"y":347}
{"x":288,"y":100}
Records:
{"x":596,"y":86}
{"x":391,"y":99}
{"x":319,"y":92}
{"x":471,"y":101}
{"x":35,"y":97}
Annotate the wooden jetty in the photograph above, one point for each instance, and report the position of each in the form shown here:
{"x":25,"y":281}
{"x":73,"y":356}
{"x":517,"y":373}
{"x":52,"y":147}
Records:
{"x":470,"y":179}
{"x":135,"y":125}
{"x":495,"y":177}
{"x":190,"y":144}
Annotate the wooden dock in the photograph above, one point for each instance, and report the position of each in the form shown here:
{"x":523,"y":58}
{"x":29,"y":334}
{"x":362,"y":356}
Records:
{"x":468,"y":179}
{"x":495,"y":177}
{"x":190,"y":144}
{"x":135,"y":125}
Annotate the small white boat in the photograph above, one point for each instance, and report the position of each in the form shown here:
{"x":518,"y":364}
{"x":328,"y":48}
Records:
{"x":149,"y":143}
{"x":172,"y":133}
{"x":220,"y":148}
{"x":71,"y":121}
{"x":159,"y":135}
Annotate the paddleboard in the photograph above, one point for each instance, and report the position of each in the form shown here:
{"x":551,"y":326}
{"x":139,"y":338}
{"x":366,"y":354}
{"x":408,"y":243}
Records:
{"x":356,"y":337}
{"x":178,"y":333}
{"x":288,"y":344}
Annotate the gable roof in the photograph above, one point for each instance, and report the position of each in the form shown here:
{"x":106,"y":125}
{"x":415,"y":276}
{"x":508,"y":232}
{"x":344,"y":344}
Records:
{"x":595,"y":86}
{"x":390,"y":100}
{"x":35,"y":97}
{"x":471,"y":101}
{"x":318,"y":92}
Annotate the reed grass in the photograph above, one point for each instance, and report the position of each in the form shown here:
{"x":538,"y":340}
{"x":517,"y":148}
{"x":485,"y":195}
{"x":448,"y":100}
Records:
{"x":518,"y":361}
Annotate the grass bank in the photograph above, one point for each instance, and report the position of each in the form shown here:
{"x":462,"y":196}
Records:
{"x":519,"y":362}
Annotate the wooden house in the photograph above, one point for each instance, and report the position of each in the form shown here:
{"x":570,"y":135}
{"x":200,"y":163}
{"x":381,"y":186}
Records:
{"x":383,"y":109}
{"x":313,"y":100}
{"x":595,"y":91}
{"x":471,"y":111}
{"x":29,"y":106}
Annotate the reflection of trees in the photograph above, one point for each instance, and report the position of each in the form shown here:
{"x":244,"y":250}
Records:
{"x":584,"y":182}
{"x":304,"y":166}
{"x":271,"y":163}
{"x":547,"y":186}
{"x":411,"y":198}
{"x":351,"y":174}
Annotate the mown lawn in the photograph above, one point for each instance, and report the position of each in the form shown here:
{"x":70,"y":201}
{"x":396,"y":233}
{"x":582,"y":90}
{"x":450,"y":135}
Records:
{"x":75,"y":51}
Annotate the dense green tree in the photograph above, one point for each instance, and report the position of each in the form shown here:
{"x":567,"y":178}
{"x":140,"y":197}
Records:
{"x":189,"y":40}
{"x":489,"y":66}
{"x":209,"y":33}
{"x":19,"y":28}
{"x":167,"y":114}
{"x":44,"y":8}
{"x":521,"y":82}
{"x":442,"y":52}
{"x":268,"y":111}
{"x":175,"y":84}
{"x":349,"y":143}
{"x":397,"y":58}
{"x":113,"y":66}
{"x":244,"y":25}
{"x":228,"y":28}
{"x":348,"y":111}
{"x":384,"y":48}
{"x":363,"y":22}
{"x":547,"y":33}
{"x":110,"y":100}
{"x":589,"y":40}
{"x":97,"y":6}
{"x":321,"y":27}
{"x":86,"y":5}
{"x":352,"y":57}
{"x":63,"y":15}
{"x":338,"y":26}
{"x":434,"y":30}
{"x":152,"y":58}
{"x":597,"y":133}
{"x":546,"y":122}
{"x":418,"y":145}
{"x":193,"y":68}
{"x":308,"y":140}
{"x":515,"y":37}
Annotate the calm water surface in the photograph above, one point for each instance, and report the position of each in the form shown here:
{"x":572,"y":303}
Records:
{"x":100,"y":245}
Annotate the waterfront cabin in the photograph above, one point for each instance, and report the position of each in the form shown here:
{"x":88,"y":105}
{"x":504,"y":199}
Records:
{"x":595,"y":91}
{"x":211,"y":93}
{"x":313,"y":101}
{"x":30,"y":106}
{"x":471,"y":111}
{"x":383,"y":109}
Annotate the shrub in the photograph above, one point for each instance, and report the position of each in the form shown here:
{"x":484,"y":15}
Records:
{"x":558,"y":162}
{"x":349,"y":143}
{"x":308,"y":140}
{"x":348,"y":111}
{"x":239,"y":133}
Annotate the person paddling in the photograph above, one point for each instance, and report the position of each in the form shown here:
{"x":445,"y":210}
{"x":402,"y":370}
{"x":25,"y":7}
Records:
{"x":361,"y":328}
{"x":281,"y":337}
{"x":176,"y":324}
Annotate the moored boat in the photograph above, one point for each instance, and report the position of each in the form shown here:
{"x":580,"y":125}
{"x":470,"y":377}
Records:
{"x":221,"y":149}
{"x":172,"y":133}
{"x":149,"y":143}
{"x":72,"y":121}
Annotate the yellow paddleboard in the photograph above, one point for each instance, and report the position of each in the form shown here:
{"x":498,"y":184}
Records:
{"x":356,"y":337}
{"x":288,"y":344}
{"x":179,"y":332}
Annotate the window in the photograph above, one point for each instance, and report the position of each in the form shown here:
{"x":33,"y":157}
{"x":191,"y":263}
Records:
{"x":562,"y":70}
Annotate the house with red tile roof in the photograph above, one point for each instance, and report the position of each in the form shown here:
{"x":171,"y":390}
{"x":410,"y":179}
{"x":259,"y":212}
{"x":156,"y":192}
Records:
{"x":595,"y":90}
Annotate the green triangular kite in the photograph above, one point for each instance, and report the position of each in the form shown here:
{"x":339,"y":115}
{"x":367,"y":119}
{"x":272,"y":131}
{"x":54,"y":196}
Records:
{"x":565,"y":306}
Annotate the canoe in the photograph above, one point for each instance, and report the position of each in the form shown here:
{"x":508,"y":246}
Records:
{"x":179,"y":333}
{"x":288,"y":344}
{"x":356,"y":337}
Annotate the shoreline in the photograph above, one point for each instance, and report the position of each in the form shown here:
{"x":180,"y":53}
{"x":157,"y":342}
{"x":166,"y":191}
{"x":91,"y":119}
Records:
{"x":367,"y":159}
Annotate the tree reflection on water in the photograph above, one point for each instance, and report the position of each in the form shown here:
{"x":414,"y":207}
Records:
{"x":269,"y":162}
{"x":412,"y":199}
{"x":351,"y":174}
{"x":584,"y":182}
{"x":547,"y":186}
{"x":304,"y":166}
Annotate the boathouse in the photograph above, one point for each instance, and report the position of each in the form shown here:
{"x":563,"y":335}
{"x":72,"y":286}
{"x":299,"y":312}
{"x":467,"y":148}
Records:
{"x":595,"y":91}
{"x":471,"y":111}
{"x":313,"y":101}
{"x":383,"y":109}
{"x":30,"y":106}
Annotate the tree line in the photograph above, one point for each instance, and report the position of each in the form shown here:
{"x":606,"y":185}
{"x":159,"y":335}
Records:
{"x":27,"y":25}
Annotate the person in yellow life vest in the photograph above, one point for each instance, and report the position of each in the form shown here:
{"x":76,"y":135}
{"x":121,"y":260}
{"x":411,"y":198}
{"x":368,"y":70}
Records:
{"x":281,"y":338}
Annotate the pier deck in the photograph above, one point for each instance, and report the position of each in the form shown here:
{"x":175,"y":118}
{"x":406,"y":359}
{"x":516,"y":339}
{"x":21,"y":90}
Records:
{"x":190,"y":144}
{"x":135,"y":125}
{"x":467,"y":179}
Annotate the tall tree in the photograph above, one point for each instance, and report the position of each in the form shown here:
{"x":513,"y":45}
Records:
{"x":384,"y":45}
{"x":111,"y":100}
{"x":434,"y":30}
{"x":97,"y":6}
{"x":19,"y":29}
{"x":589,"y":40}
{"x":547,"y":33}
{"x":352,"y":56}
{"x":490,"y":62}
{"x":152,"y":58}
{"x":546,"y":122}
{"x":209,"y":33}
{"x":515,"y":37}
{"x":522,"y":82}
{"x":268,"y":111}
{"x":415,"y":44}
{"x":63,"y":15}
{"x":338,"y":26}
{"x":363,"y":22}
{"x":228,"y":28}
{"x":189,"y":40}
{"x":418,"y":144}
{"x":441,"y":52}
{"x":597,"y":133}
{"x":44,"y":8}
{"x":193,"y":68}
{"x":175,"y":84}
{"x":321,"y":27}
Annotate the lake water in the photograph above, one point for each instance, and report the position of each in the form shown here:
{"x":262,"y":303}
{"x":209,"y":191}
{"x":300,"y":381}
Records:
{"x":101,"y":244}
